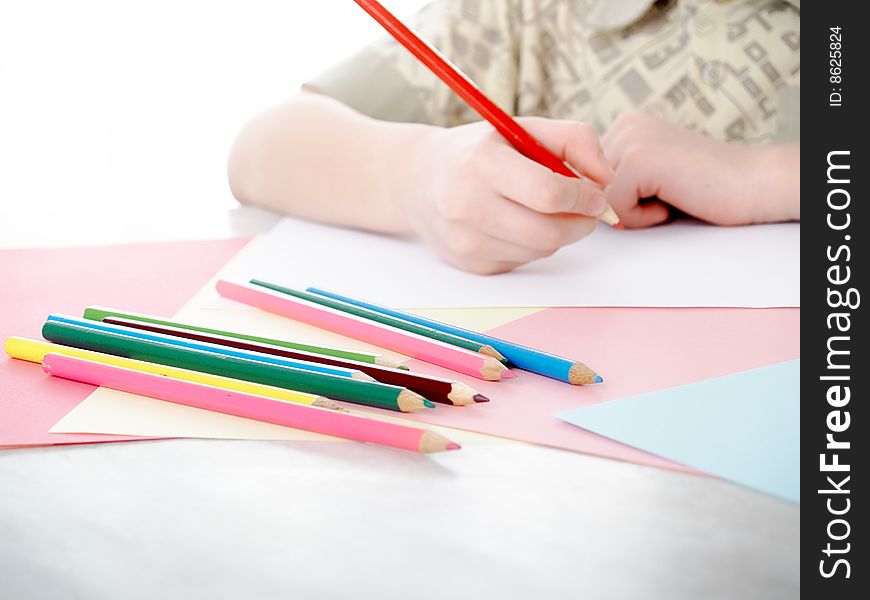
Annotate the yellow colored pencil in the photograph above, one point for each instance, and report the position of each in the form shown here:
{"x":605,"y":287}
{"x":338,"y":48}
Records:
{"x":35,"y":351}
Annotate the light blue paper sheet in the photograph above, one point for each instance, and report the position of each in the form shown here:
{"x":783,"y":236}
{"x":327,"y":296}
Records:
{"x":743,"y":427}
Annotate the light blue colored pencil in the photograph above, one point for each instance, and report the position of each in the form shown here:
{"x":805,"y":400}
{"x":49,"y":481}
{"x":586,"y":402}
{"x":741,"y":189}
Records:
{"x":523,"y":357}
{"x":215,"y":348}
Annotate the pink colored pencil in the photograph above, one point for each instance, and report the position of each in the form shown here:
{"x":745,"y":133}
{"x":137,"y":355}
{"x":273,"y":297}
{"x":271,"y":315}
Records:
{"x":411,"y":344}
{"x":260,"y":408}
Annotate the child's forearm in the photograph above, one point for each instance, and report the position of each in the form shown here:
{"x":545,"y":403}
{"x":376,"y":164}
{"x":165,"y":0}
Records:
{"x":318,"y":159}
{"x":479,"y":203}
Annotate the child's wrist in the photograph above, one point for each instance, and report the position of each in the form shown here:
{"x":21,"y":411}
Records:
{"x":407,"y":169}
{"x":777,"y":183}
{"x":387,"y":166}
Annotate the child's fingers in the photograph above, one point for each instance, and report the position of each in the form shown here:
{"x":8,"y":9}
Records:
{"x":574,"y":142}
{"x":646,"y":214}
{"x":512,"y":222}
{"x":478,"y":245}
{"x":526,"y":182}
{"x":486,"y":267}
{"x":625,"y":194}
{"x":477,"y":252}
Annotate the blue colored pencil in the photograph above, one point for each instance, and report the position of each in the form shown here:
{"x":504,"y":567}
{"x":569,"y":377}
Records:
{"x":215,"y":348}
{"x":523,"y":357}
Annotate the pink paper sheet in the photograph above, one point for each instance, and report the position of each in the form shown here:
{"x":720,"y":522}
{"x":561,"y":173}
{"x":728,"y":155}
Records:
{"x":635,"y":349}
{"x":151,"y":278}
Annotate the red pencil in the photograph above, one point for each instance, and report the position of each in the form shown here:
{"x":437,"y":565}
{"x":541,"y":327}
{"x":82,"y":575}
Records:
{"x":466,"y":89}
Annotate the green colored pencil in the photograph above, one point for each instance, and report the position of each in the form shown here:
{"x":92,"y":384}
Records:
{"x":98,"y":313}
{"x":371,"y":315}
{"x":339,"y":388}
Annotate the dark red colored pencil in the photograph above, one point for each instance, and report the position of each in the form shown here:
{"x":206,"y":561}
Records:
{"x":436,"y":389}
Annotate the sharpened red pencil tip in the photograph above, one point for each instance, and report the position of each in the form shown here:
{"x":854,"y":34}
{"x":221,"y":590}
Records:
{"x":508,"y":374}
{"x":619,"y":226}
{"x":480,"y":398}
{"x":453,"y":446}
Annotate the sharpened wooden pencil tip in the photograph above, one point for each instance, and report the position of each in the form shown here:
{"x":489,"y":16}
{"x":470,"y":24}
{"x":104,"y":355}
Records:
{"x":508,"y":374}
{"x":580,"y":374}
{"x":461,"y":394}
{"x":409,"y":401}
{"x":490,"y":351}
{"x":433,"y":442}
{"x":609,"y":216}
{"x":492,"y":369}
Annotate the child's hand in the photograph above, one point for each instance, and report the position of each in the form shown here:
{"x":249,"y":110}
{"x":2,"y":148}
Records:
{"x":486,"y":208}
{"x":724,"y":184}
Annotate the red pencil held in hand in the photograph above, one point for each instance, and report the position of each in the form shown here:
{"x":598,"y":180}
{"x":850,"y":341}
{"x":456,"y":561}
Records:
{"x":461,"y":84}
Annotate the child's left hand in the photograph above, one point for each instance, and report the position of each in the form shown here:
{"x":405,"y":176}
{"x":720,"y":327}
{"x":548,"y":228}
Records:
{"x":722,"y":183}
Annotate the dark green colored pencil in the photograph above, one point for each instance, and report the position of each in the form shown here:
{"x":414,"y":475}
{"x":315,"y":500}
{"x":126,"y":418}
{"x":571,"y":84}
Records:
{"x":339,"y":388}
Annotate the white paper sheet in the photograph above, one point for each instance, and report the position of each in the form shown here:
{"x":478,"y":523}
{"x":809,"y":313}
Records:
{"x":684,"y":263}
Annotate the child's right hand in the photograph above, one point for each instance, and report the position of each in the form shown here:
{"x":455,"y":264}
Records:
{"x":486,"y":208}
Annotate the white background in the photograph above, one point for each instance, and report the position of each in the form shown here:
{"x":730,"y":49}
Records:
{"x":116,"y":117}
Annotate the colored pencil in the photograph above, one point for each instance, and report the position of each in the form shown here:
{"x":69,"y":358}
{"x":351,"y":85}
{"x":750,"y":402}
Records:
{"x":372,"y":315}
{"x":465,"y":88}
{"x":399,"y":340}
{"x":99,"y":313}
{"x":523,"y":357}
{"x":436,"y":389}
{"x":217,"y":348}
{"x":35,"y":351}
{"x":338,"y":388}
{"x":250,"y":406}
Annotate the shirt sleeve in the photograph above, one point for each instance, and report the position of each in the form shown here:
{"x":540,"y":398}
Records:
{"x":788,"y":124}
{"x":385,"y":81}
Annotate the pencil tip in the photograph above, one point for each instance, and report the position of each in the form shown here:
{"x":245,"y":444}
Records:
{"x":508,"y":374}
{"x":598,"y":379}
{"x":428,"y":404}
{"x":480,"y":398}
{"x":453,"y":446}
{"x":618,"y":226}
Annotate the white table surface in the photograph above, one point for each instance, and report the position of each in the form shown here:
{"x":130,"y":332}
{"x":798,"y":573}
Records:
{"x":234,"y":519}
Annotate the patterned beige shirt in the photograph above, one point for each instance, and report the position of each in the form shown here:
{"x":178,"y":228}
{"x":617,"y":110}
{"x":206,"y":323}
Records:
{"x":728,"y":68}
